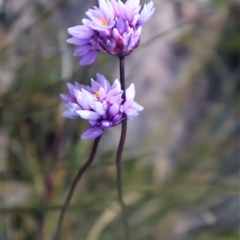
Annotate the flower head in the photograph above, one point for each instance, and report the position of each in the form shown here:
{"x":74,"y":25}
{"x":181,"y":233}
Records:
{"x":101,"y":104}
{"x":113,"y":27}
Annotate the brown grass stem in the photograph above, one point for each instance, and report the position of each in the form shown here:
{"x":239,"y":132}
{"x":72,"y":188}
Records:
{"x":70,"y":194}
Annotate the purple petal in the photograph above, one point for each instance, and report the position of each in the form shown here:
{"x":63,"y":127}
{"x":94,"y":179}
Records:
{"x":116,"y":85}
{"x":87,"y":22}
{"x":93,"y":122}
{"x":115,"y":7}
{"x":130,"y":92}
{"x":131,"y":108}
{"x":129,"y":14}
{"x":106,"y":124}
{"x":137,"y":106}
{"x":102,"y":93}
{"x":100,"y":108}
{"x":94,"y":15}
{"x":114,"y":99}
{"x":133,"y":5}
{"x":114,"y":109}
{"x":107,"y":8}
{"x":85,"y":87}
{"x":78,"y":41}
{"x":92,"y":133}
{"x":117,"y":119}
{"x":71,"y":88}
{"x":78,"y":95}
{"x":70,"y":114}
{"x":89,"y":115}
{"x":115,"y":93}
{"x":95,"y":85}
{"x":67,"y":98}
{"x":116,"y":34}
{"x":103,"y":81}
{"x":81,"y":51}
{"x":73,"y":106}
{"x":106,"y":12}
{"x":81,"y":31}
{"x":87,"y":100}
{"x":120,"y":26}
{"x":89,"y":58}
{"x":122,"y":10}
{"x":134,"y":39}
{"x":146,"y":13}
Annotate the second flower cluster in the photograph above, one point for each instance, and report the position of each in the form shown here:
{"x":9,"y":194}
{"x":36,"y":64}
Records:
{"x":101,"y":104}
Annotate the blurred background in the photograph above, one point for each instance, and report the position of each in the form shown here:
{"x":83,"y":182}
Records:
{"x":181,"y":158}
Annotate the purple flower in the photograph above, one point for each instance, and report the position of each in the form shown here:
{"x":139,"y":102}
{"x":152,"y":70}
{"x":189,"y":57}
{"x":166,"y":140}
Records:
{"x":113,"y":27}
{"x":102,"y":18}
{"x":101,"y":104}
{"x":87,"y":45}
{"x":130,"y":107}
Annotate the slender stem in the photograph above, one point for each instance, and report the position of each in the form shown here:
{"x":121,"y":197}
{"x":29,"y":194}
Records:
{"x":119,"y":178}
{"x":120,"y":150}
{"x":70,"y":194}
{"x":122,"y":75}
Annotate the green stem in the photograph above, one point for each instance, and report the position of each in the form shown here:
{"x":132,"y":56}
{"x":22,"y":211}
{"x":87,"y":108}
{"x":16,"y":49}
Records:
{"x":70,"y":194}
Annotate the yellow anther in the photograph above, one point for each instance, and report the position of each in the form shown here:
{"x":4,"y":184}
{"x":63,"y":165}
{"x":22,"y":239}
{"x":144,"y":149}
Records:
{"x":97,"y":94}
{"x":104,"y":22}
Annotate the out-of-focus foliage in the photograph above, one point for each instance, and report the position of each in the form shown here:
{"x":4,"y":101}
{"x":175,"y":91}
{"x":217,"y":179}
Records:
{"x":181,"y":160}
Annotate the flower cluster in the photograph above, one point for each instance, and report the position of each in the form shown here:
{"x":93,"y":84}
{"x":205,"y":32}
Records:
{"x":113,"y":27}
{"x":101,"y":104}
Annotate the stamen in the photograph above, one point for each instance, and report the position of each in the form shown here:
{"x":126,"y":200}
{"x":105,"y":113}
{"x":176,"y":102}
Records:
{"x":104,"y":22}
{"x":97,"y":94}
